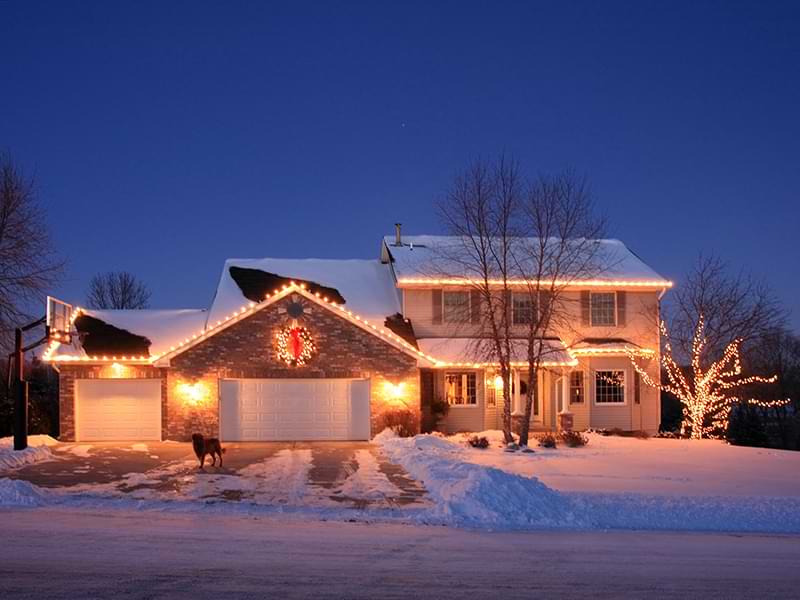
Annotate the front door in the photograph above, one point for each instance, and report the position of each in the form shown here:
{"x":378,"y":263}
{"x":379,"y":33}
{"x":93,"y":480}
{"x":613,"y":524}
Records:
{"x":520,"y":383}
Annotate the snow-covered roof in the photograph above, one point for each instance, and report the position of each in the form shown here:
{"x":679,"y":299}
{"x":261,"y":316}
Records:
{"x":366,"y":285}
{"x":424,"y":257}
{"x":162,"y":327}
{"x":472,"y":351}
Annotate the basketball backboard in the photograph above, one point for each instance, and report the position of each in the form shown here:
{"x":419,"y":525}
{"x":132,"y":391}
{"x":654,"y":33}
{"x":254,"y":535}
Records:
{"x":59,"y":320}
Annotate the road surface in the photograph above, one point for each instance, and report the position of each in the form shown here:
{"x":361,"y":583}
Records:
{"x":59,"y":553}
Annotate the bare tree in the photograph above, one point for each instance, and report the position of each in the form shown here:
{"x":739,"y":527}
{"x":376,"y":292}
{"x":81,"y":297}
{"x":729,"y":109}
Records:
{"x":28,"y":264}
{"x":117,"y":290}
{"x":561,"y":244}
{"x":479,"y":212}
{"x":733,"y":307}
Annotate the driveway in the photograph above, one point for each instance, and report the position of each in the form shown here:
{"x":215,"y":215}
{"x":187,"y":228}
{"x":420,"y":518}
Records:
{"x":354,"y":474}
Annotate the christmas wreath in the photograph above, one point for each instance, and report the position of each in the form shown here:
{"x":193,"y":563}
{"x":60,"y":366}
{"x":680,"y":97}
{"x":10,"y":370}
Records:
{"x":295,"y":345}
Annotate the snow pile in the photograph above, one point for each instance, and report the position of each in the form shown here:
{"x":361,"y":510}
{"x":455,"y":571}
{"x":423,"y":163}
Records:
{"x":15,"y":492}
{"x":38,"y":450}
{"x":472,"y":495}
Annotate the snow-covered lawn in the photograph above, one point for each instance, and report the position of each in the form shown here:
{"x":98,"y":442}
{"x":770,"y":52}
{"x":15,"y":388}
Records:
{"x":649,"y":466}
{"x":38,"y":450}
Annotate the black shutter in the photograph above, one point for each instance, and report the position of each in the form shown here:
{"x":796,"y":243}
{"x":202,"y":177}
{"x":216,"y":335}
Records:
{"x":436,"y":295}
{"x":475,"y":306}
{"x":622,"y":300}
{"x":586,"y":299}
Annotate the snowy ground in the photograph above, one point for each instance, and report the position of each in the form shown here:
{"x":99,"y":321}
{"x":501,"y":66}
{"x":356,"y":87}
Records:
{"x":613,"y":483}
{"x":38,"y":450}
{"x":78,"y":554}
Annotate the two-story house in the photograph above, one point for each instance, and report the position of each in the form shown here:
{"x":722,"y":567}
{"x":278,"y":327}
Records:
{"x":313,"y":349}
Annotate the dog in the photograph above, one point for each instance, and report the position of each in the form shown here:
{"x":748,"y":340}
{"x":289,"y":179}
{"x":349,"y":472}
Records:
{"x":207,"y":446}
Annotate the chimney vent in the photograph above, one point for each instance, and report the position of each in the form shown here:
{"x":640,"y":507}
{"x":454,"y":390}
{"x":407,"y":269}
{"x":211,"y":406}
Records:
{"x":398,"y":239}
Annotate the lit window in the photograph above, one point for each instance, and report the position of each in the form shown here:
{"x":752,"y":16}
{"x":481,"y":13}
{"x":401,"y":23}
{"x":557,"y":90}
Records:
{"x":609,"y":387}
{"x":604,"y":308}
{"x":576,"y":387}
{"x":522,"y":309}
{"x":456,"y":307}
{"x":460,"y":389}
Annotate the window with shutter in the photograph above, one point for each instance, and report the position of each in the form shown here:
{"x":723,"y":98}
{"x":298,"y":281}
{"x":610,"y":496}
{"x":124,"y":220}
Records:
{"x":603,"y":309}
{"x":455,"y":307}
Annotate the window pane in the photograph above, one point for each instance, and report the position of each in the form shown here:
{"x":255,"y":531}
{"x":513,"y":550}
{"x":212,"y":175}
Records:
{"x":522,"y":309}
{"x":609,"y":387}
{"x":456,"y":307}
{"x":460,"y":389}
{"x":603,"y":309}
{"x":576,"y":387}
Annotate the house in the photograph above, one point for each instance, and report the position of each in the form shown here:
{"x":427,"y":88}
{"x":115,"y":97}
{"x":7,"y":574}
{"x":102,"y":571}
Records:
{"x":311,"y":349}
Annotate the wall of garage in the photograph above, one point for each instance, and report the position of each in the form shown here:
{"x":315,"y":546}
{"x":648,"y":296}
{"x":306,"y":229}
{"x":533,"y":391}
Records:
{"x":247,"y":349}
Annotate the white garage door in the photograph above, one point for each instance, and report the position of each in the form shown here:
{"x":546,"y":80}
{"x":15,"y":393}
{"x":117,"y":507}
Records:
{"x":294,"y":409}
{"x":117,"y":409}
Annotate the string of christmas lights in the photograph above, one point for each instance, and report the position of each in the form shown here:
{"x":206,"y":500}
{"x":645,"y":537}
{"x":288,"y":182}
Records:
{"x":710,"y":395}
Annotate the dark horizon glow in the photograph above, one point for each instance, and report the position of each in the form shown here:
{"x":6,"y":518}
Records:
{"x":167,"y":137}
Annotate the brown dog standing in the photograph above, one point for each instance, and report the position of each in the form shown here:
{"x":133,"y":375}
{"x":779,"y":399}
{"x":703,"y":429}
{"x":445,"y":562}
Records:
{"x":207,"y":446}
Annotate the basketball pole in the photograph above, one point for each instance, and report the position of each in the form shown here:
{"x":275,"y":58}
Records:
{"x":21,"y":386}
{"x":20,"y":394}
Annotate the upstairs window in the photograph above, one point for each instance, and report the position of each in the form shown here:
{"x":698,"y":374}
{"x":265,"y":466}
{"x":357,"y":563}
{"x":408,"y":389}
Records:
{"x":455,"y":307}
{"x":603,"y":308}
{"x":576,"y":387}
{"x":460,"y":389}
{"x":609,"y":387}
{"x":521,"y":309}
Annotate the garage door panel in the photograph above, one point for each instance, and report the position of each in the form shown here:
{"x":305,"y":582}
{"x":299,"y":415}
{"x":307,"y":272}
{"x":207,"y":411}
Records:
{"x":118,"y":409}
{"x":308,"y":409}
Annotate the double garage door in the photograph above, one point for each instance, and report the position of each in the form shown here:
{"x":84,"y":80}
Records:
{"x":249,"y":409}
{"x":294,"y":409}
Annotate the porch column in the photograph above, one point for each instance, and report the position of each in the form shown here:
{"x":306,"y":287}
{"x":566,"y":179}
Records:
{"x":565,"y":418}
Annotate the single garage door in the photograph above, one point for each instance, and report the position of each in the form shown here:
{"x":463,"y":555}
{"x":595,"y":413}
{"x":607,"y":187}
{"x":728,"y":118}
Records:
{"x":294,"y":409}
{"x":117,"y":409}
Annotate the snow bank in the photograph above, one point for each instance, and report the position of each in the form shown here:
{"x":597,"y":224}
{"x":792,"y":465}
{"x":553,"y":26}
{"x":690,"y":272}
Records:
{"x":473,"y":495}
{"x":481,"y":495}
{"x":38,"y":450}
{"x":15,"y":492}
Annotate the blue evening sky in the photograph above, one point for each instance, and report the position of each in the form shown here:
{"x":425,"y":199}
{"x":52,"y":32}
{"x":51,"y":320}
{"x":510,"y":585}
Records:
{"x":166,"y":136}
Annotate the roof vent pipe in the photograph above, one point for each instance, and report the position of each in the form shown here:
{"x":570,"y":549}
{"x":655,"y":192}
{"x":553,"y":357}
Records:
{"x":398,"y":239}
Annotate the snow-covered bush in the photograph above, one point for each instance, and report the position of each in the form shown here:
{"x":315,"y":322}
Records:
{"x":547,"y":440}
{"x":479,"y":441}
{"x":403,"y":422}
{"x":573,"y":439}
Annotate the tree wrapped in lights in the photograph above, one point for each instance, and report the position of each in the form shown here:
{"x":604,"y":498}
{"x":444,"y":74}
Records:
{"x":708,"y":394}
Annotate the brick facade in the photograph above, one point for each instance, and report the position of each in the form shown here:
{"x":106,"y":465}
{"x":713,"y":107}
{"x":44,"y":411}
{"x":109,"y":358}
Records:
{"x":247,"y":349}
